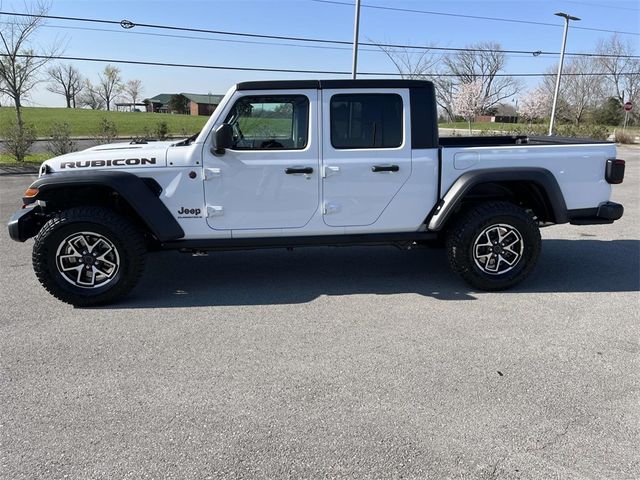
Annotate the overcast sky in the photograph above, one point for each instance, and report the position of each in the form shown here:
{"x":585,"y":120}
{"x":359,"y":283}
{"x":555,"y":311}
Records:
{"x":309,"y":18}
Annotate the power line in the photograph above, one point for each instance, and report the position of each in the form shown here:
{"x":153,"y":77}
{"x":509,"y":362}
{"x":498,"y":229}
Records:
{"x":473,"y":17}
{"x":128,"y":25}
{"x":257,"y":42}
{"x":208,"y":39}
{"x":281,"y":70}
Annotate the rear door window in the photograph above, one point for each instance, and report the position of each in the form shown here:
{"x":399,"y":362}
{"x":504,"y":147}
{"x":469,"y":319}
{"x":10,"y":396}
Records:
{"x":366,"y":121}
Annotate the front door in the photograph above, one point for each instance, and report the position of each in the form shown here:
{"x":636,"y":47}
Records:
{"x":269,"y":179}
{"x":366,"y":153}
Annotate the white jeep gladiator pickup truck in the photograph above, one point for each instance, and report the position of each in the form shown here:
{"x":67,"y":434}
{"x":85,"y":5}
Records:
{"x":311,"y":162}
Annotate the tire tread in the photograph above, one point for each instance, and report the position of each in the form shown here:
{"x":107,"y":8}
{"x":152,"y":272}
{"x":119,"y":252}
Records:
{"x":461,"y":234}
{"x":129,"y":234}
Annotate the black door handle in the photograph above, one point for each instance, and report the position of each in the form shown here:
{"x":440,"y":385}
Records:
{"x":292,"y":170}
{"x":385,"y":168}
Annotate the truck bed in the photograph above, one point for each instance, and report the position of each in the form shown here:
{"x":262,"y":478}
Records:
{"x":577,"y":164}
{"x":510,"y":140}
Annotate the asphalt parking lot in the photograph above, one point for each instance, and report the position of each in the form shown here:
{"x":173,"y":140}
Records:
{"x":330,"y":363}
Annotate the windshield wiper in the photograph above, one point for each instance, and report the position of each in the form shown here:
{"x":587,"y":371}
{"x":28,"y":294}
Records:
{"x":187,"y":141}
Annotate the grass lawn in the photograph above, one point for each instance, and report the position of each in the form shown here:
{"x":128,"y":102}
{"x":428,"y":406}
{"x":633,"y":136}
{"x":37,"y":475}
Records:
{"x":482,"y":126}
{"x":32,"y":159}
{"x":507,"y":127}
{"x":259,"y":127}
{"x":85,"y":123}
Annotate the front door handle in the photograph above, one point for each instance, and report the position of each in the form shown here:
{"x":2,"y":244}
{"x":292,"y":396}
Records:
{"x":294,"y":170}
{"x":385,"y":168}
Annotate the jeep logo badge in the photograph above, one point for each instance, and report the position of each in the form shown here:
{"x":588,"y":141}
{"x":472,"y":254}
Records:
{"x":189,"y":212}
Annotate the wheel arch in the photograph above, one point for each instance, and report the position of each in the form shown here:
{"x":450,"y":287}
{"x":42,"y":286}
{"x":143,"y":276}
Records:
{"x":133,"y":195}
{"x":534,"y":188}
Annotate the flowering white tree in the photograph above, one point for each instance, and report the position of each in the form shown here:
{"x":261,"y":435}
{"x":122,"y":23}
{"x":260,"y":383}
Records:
{"x":467,"y":101}
{"x":534,"y":104}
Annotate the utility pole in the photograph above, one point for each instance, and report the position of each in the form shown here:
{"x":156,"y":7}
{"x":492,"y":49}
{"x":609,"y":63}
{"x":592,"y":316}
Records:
{"x":567,"y":18}
{"x":356,"y":29}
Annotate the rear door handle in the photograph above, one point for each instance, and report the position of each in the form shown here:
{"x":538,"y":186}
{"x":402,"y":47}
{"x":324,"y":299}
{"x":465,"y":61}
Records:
{"x":385,"y":168}
{"x":294,"y":170}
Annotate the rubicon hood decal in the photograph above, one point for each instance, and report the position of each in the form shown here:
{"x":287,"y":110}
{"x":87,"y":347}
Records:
{"x":116,"y":162}
{"x":115,"y":155}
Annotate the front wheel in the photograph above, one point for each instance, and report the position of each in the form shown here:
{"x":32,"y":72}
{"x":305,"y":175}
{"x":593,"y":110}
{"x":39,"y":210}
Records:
{"x":89,"y":256}
{"x":494,"y":245}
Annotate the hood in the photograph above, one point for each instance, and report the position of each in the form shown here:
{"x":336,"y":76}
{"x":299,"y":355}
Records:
{"x":111,"y":156}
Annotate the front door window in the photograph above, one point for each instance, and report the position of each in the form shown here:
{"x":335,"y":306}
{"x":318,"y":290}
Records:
{"x":270,"y":122}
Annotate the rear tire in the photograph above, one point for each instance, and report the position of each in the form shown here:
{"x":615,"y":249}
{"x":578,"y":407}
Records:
{"x":89,"y":256}
{"x":494,"y":245}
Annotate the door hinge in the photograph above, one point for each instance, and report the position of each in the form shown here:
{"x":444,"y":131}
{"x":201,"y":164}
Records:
{"x":329,"y":170}
{"x":328,"y":208}
{"x":214,"y":211}
{"x":210,"y":173}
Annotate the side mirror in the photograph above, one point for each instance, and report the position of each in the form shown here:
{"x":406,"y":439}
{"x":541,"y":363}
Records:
{"x":222,"y":138}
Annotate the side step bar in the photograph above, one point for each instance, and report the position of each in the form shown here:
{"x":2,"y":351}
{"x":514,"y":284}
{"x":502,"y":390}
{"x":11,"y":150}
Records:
{"x":303,"y":241}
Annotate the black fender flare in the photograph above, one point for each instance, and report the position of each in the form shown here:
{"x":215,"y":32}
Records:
{"x":137,"y":192}
{"x":541,"y":177}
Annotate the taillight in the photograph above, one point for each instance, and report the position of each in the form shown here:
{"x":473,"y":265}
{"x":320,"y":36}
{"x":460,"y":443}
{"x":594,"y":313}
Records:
{"x":614,"y":171}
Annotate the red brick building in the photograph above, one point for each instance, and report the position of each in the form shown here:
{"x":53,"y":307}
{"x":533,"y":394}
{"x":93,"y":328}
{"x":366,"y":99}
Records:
{"x":196,"y":103}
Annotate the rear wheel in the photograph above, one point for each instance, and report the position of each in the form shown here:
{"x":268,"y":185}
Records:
{"x":494,"y":245}
{"x":89,"y":256}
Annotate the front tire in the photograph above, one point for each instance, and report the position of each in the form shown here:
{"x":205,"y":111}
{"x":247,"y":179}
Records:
{"x":494,"y":245}
{"x":89,"y":256}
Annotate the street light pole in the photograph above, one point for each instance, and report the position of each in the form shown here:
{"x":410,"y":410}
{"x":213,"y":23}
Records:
{"x":567,"y":18}
{"x":356,"y":29}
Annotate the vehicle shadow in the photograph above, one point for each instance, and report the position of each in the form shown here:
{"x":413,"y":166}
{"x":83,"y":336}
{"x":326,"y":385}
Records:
{"x":271,"y":277}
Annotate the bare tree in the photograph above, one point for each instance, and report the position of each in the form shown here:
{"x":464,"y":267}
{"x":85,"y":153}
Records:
{"x":133,"y":89}
{"x":20,"y":63}
{"x":445,"y":90}
{"x":423,"y":65}
{"x":623,"y":79}
{"x":580,"y":88}
{"x":90,"y":96}
{"x":583,"y":89}
{"x":548,"y":85}
{"x":622,"y":70}
{"x":483,"y":62}
{"x":109,"y":85}
{"x":411,"y":64}
{"x":67,"y":81}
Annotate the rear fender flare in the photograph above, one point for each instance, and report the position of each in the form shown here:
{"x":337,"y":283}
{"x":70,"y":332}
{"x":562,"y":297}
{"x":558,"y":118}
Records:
{"x":541,"y":177}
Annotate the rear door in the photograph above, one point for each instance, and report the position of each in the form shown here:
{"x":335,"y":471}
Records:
{"x":366,"y":153}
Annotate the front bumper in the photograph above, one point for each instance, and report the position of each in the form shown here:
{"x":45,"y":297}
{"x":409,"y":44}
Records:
{"x":607,"y":212}
{"x":24,"y":224}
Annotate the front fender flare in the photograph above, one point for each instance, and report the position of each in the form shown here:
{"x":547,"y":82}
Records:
{"x":541,"y":177}
{"x":133,"y":189}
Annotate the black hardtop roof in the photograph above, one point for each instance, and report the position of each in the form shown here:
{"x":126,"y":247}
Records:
{"x":322,"y":84}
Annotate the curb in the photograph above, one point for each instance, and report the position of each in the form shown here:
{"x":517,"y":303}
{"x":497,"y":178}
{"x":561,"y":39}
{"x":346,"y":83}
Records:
{"x":19,"y":169}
